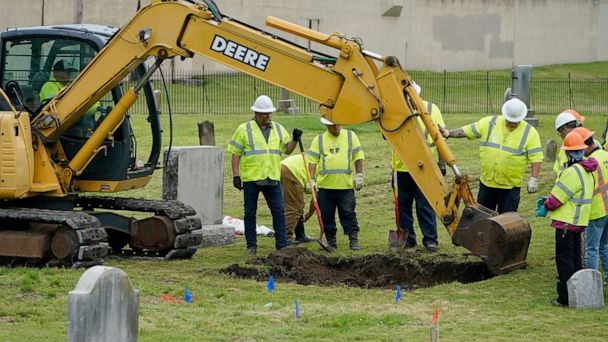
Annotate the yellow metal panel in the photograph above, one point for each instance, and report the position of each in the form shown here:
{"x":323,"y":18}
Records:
{"x":16,"y":155}
{"x":408,"y":141}
{"x":111,"y":186}
{"x":263,"y":57}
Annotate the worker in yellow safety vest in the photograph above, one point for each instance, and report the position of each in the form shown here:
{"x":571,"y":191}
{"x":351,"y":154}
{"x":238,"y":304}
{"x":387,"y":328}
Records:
{"x":508,"y":144}
{"x":596,"y":234}
{"x":569,"y":206}
{"x":331,"y":157}
{"x":408,"y":191}
{"x":565,"y":122}
{"x":256,"y":148}
{"x":293,"y":181}
{"x":63,"y":74}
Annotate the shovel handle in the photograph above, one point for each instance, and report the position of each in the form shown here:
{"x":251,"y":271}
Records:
{"x":312,"y":189}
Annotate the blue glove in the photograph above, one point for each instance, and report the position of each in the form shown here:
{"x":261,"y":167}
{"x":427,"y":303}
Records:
{"x":541,"y":211}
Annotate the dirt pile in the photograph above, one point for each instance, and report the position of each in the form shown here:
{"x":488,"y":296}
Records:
{"x":410,"y":270}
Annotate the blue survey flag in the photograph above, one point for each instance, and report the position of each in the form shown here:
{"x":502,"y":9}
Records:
{"x":187,"y":296}
{"x":270,"y":284}
{"x":297,"y":308}
{"x":398,"y":295}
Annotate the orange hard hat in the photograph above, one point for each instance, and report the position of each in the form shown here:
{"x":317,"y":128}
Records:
{"x":583,"y":132}
{"x":579,"y":118}
{"x":573,"y":142}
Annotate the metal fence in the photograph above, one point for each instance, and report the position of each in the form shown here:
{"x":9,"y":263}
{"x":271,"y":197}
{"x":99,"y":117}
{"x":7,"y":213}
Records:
{"x":201,"y":92}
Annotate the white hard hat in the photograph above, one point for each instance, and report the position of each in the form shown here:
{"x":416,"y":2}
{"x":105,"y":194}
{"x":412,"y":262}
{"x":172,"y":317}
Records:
{"x":326,"y":122}
{"x":263,"y":104}
{"x":514,"y":110}
{"x":416,"y":87}
{"x":564,"y":118}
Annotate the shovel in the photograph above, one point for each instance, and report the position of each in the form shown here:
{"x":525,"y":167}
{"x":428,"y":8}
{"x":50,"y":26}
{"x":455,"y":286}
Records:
{"x":398,"y":238}
{"x":323,"y":243}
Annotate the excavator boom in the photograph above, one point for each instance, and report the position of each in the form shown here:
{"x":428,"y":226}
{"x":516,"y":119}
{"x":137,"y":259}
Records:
{"x":352,"y":87}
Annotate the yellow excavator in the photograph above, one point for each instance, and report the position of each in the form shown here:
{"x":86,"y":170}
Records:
{"x":45,"y":173}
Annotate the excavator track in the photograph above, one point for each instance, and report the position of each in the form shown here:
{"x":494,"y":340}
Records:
{"x":168,"y":234}
{"x":51,"y":237}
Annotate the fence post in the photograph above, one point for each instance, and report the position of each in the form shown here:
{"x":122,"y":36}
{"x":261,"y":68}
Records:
{"x":487,"y":93}
{"x":570,"y":91}
{"x":443,"y":105}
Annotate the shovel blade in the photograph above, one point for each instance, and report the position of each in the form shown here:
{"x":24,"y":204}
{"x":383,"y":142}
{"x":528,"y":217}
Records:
{"x":396,"y":239}
{"x":325,"y":245}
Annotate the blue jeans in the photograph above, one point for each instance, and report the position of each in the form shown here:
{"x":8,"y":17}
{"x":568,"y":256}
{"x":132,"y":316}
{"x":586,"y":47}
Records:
{"x":500,"y":200}
{"x":344,"y":201}
{"x":408,"y":193}
{"x":274,"y":198}
{"x":596,"y":241}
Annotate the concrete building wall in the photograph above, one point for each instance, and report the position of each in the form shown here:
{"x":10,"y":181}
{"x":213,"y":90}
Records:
{"x":426,"y":35}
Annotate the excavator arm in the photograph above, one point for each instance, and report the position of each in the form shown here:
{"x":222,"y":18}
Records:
{"x":355,"y":86}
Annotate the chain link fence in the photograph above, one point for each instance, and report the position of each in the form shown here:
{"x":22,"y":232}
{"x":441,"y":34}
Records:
{"x":201,"y":92}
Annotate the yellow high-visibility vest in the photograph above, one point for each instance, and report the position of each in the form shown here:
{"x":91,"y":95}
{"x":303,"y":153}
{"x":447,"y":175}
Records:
{"x":438,"y":120}
{"x":335,"y":157}
{"x":296,"y":166}
{"x":599,"y":206}
{"x":562,"y":159}
{"x":259,"y":159}
{"x":574,"y":189}
{"x":504,"y":154}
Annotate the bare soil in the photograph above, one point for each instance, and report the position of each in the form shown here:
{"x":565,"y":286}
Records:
{"x":410,"y":270}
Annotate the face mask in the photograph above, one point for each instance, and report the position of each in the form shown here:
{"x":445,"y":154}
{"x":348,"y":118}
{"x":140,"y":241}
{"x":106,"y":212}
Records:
{"x":576,"y":155}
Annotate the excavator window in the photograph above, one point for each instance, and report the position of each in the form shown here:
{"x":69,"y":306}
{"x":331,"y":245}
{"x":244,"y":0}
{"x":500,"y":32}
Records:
{"x":29,"y":61}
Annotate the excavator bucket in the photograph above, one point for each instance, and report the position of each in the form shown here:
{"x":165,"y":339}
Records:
{"x":501,"y":241}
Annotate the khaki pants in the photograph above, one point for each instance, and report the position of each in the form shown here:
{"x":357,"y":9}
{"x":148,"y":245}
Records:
{"x":293,"y":196}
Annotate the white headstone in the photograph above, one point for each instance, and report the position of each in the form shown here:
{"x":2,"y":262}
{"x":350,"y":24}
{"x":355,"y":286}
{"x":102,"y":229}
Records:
{"x":585,"y":289}
{"x":104,"y":306}
{"x":194,"y":175}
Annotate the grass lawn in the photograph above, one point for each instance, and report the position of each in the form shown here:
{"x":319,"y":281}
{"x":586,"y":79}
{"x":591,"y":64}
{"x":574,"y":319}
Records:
{"x":33,"y":302}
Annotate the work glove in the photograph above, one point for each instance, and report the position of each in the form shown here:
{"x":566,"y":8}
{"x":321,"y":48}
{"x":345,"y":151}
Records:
{"x":236,"y":181}
{"x":533,"y":185}
{"x":442,"y":168}
{"x":541,"y":211}
{"x":309,"y":186}
{"x":297,"y":134}
{"x":358,"y":181}
{"x":444,"y":131}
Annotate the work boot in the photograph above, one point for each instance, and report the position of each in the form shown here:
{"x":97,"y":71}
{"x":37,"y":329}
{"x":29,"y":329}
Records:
{"x":251,"y":251}
{"x":300,"y":234}
{"x":354,"y":241}
{"x":331,"y":241}
{"x":431,"y":247}
{"x":291,"y":242}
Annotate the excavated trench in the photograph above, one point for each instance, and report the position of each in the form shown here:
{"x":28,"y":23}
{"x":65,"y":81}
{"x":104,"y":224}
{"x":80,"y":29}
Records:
{"x":410,"y":270}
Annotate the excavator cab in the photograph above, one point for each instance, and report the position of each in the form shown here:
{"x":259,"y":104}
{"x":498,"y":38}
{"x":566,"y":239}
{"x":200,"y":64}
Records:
{"x":28,"y":59}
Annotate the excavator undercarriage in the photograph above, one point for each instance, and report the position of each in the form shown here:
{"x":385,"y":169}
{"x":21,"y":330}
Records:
{"x":83,"y":238}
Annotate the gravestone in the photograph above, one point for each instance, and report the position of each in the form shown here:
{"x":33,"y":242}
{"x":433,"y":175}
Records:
{"x":206,"y":133}
{"x":551,"y":150}
{"x":194,"y":175}
{"x":104,"y":306}
{"x":585,"y":289}
{"x":287,"y":104}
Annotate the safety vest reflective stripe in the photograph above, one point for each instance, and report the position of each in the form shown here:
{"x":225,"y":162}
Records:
{"x":520,"y":148}
{"x":346,"y":171}
{"x":602,"y":188}
{"x":581,"y":200}
{"x":255,"y":151}
{"x":476,"y":134}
